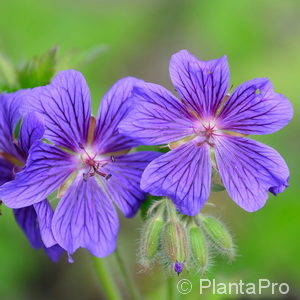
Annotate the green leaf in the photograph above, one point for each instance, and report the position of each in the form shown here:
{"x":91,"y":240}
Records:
{"x":39,"y":70}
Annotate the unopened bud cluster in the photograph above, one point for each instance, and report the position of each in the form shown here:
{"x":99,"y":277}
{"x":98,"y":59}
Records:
{"x":182,"y":242}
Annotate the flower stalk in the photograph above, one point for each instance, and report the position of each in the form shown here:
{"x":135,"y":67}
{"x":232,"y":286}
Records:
{"x":107,"y":283}
{"x":132,"y":290}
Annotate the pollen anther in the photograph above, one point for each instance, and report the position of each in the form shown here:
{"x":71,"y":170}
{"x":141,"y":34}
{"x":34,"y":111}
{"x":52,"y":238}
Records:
{"x":94,"y":165}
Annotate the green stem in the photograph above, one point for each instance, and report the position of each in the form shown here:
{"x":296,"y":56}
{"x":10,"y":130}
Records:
{"x":134,"y":294}
{"x":170,"y":288}
{"x":107,"y":283}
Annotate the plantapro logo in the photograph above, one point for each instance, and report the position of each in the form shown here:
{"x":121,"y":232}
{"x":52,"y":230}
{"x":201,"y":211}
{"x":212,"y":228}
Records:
{"x":242,"y":288}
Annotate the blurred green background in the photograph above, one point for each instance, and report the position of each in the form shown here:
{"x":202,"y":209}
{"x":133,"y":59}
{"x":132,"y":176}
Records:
{"x":261,"y":39}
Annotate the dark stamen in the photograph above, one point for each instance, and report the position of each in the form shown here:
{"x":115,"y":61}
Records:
{"x":94,"y":165}
{"x":106,"y":176}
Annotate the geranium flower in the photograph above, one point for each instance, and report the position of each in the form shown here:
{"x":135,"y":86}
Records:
{"x":206,"y":130}
{"x":86,"y":159}
{"x":35,"y":220}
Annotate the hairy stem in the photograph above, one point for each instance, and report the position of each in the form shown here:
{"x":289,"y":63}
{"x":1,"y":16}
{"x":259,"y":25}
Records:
{"x":107,"y":283}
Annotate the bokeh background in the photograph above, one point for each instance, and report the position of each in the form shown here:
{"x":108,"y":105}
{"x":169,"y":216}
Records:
{"x":111,"y":39}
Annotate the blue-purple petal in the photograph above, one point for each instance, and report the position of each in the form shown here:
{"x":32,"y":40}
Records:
{"x":26,"y":219}
{"x":66,"y":107}
{"x":85,"y":217}
{"x":32,"y":130}
{"x":29,"y":222}
{"x":44,"y":216}
{"x":202,"y":85}
{"x":157,"y":116}
{"x":254,"y":108}
{"x":10,"y":105}
{"x":6,"y":171}
{"x":184,"y":174}
{"x":46,"y":169}
{"x":54,"y":252}
{"x":123,"y":187}
{"x":114,"y":106}
{"x":249,"y":170}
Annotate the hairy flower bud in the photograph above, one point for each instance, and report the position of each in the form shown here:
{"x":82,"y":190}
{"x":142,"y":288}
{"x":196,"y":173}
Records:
{"x":150,"y":240}
{"x":199,"y":253}
{"x":175,"y":243}
{"x":219,"y":235}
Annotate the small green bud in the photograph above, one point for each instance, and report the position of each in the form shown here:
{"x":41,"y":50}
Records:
{"x":199,"y":253}
{"x":219,"y":235}
{"x":152,"y":233}
{"x":150,"y":240}
{"x":174,"y":242}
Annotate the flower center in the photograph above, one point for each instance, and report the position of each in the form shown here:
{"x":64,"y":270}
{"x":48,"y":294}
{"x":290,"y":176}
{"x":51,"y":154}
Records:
{"x":205,"y":130}
{"x":209,"y":129}
{"x":94,"y":165}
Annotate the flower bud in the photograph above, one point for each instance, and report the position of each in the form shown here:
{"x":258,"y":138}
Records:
{"x":150,"y":239}
{"x":178,"y":267}
{"x":218,"y":234}
{"x":199,"y":254}
{"x":174,"y":243}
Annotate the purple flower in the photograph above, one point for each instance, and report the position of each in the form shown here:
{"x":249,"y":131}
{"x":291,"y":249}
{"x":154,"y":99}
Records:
{"x":35,"y":220}
{"x":86,"y":159}
{"x":206,"y":130}
{"x":178,"y":267}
